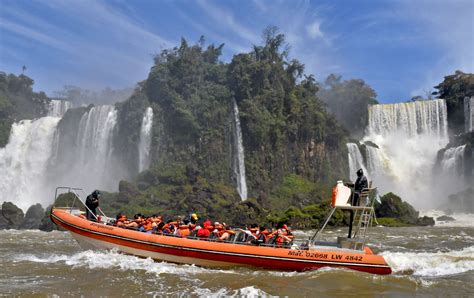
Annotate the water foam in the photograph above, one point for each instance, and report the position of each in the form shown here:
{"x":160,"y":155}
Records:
{"x":431,"y":264}
{"x":115,"y":260}
{"x":249,"y":291}
{"x":460,"y":219}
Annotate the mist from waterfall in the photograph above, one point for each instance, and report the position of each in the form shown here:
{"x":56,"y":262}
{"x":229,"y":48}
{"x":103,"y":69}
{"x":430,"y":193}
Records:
{"x":408,"y":137}
{"x":24,"y":162}
{"x":239,"y":156}
{"x":57,"y":108}
{"x":145,"y":140}
{"x":355,"y":161}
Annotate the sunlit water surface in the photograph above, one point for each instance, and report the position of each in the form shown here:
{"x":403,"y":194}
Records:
{"x":427,"y":261}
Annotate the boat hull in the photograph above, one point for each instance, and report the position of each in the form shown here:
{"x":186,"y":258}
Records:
{"x":212,"y":254}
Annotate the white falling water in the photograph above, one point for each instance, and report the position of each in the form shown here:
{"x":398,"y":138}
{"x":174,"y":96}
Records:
{"x":408,"y":135}
{"x":145,"y":140}
{"x":452,"y":161}
{"x":469,"y":113}
{"x":24,"y":160}
{"x":57,"y":108}
{"x":89,"y":162}
{"x":355,"y":160}
{"x":410,"y":118}
{"x":239,"y":157}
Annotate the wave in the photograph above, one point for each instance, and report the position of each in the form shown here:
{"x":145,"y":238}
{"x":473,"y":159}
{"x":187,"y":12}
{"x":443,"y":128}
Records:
{"x":249,"y":291}
{"x":115,"y":260}
{"x":431,"y":264}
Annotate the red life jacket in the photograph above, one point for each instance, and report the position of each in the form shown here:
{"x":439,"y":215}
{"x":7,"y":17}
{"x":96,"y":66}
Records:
{"x":204,"y":233}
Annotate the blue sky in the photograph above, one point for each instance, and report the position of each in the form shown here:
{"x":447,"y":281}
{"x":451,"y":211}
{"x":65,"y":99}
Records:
{"x":400,"y":48}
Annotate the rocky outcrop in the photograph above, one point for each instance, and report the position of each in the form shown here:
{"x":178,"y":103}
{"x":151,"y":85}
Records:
{"x":11,"y":216}
{"x":425,"y":221}
{"x":393,"y":206}
{"x":445,"y":218}
{"x":33,"y":217}
{"x":46,"y":224}
{"x":400,"y":212}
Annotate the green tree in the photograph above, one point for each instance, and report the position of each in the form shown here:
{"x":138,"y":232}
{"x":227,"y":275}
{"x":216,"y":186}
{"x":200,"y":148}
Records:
{"x":454,"y":89}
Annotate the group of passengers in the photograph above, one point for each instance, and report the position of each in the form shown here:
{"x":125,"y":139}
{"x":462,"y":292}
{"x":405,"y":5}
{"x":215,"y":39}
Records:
{"x":189,"y":227}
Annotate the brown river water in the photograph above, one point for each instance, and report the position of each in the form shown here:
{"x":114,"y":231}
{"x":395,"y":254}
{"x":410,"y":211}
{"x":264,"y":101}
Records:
{"x":427,"y":261}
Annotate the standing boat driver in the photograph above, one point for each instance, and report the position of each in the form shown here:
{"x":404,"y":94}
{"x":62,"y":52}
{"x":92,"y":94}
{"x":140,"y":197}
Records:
{"x":92,"y":203}
{"x":360,"y":183}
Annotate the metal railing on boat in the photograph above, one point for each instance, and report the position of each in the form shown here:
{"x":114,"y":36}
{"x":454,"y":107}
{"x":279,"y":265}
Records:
{"x":76,"y":192}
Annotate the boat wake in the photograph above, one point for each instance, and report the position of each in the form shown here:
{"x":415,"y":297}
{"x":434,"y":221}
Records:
{"x":431,"y":264}
{"x":115,"y":260}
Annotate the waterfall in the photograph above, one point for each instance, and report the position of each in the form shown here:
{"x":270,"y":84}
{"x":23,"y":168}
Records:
{"x":239,"y":156}
{"x":453,"y":161}
{"x":145,"y":140}
{"x":88,"y":161}
{"x":409,"y":136}
{"x":411,"y":118}
{"x":469,"y":113}
{"x":355,"y":160}
{"x":45,"y":153}
{"x":57,"y":108}
{"x":23,"y":162}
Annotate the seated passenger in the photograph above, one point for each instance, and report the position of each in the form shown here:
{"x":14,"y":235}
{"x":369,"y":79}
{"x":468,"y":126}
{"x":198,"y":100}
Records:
{"x":194,"y":218}
{"x":282,"y":238}
{"x":205,"y":230}
{"x":261,"y":236}
{"x":184,"y":230}
{"x":159,"y":228}
{"x":168,"y":228}
{"x":147,"y":226}
{"x":225,"y":233}
{"x":252,"y":233}
{"x":120,"y":220}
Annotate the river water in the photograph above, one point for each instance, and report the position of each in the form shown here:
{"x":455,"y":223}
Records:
{"x":427,"y":261}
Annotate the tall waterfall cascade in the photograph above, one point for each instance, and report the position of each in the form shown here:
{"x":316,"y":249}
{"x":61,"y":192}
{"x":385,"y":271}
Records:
{"x":408,"y":137}
{"x":57,"y":108}
{"x":469,"y":113}
{"x":88,"y":161}
{"x":145,"y":140}
{"x":24,"y":161}
{"x":239,"y":156}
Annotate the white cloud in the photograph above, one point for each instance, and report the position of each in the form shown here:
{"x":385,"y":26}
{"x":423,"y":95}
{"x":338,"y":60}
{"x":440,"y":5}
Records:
{"x":314,"y":30}
{"x":225,"y":18}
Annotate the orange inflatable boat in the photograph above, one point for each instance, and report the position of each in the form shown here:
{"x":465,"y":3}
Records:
{"x":312,"y":254}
